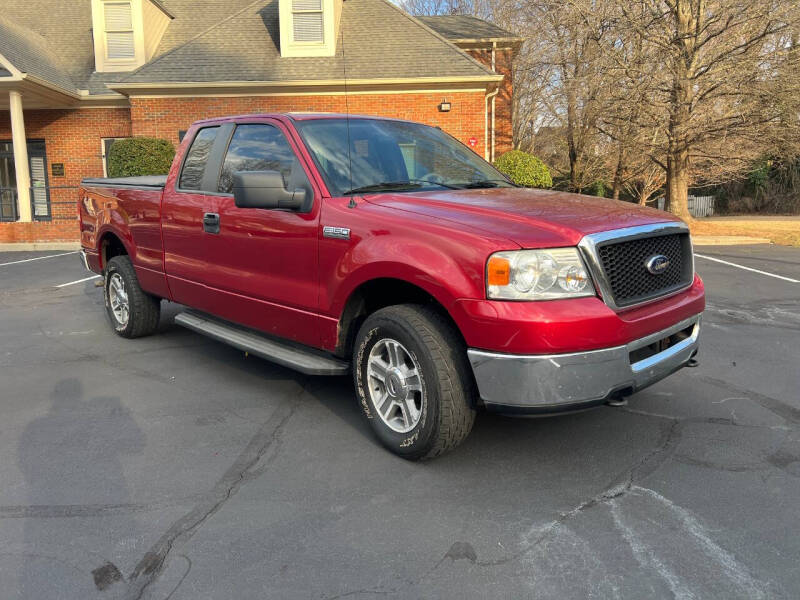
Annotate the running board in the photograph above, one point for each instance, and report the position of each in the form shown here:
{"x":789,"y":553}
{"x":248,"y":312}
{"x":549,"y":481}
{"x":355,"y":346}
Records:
{"x":307,"y":361}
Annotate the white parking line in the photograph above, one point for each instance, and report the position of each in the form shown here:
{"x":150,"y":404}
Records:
{"x":730,"y":264}
{"x":79,"y":281}
{"x":16,"y":262}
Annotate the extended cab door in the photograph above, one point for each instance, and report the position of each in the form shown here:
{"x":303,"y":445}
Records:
{"x":184,"y":221}
{"x":263,"y":264}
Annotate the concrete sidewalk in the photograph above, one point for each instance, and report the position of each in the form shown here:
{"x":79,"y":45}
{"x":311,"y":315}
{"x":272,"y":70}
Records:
{"x":38,"y":246}
{"x":727,"y":240}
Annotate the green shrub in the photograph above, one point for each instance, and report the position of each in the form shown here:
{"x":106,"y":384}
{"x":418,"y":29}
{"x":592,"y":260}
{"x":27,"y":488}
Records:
{"x":524,"y":169}
{"x":139,"y":156}
{"x":598,"y":188}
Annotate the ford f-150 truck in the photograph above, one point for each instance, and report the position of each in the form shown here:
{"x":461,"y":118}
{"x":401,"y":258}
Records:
{"x":338,"y":243}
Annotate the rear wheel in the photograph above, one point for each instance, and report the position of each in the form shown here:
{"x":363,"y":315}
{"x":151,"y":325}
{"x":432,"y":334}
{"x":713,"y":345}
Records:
{"x":413,"y":381}
{"x":132,"y":311}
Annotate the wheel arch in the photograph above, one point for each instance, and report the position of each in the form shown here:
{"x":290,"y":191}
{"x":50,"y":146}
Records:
{"x":110,"y":245}
{"x":379,"y":292}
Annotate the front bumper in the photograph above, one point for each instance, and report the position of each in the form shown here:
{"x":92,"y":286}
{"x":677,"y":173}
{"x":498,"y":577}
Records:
{"x":563,"y":382}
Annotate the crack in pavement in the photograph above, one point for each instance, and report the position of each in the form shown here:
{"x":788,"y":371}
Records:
{"x":183,"y":577}
{"x":152,"y":563}
{"x":785,"y":411}
{"x":642,"y":468}
{"x":63,"y":511}
{"x":645,"y":466}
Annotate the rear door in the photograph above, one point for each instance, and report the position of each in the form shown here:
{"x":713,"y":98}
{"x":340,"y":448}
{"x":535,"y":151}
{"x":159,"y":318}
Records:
{"x":263,"y":263}
{"x":185,"y":216}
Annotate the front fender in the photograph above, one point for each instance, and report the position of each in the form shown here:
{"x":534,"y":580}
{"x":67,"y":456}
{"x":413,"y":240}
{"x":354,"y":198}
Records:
{"x":433,"y":268}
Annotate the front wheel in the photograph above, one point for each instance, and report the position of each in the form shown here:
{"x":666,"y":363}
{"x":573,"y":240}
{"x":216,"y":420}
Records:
{"x":132,"y":311}
{"x":413,"y":381}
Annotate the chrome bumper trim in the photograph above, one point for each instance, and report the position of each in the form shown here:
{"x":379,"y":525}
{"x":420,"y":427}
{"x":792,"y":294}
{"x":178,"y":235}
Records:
{"x":84,"y":260}
{"x":550,"y":381}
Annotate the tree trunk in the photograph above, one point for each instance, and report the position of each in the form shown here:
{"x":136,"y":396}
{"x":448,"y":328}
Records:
{"x":678,"y":184}
{"x":617,"y":185}
{"x":680,"y":113}
{"x":572,"y":149}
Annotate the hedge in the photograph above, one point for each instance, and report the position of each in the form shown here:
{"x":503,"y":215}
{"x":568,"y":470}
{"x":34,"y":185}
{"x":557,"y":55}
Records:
{"x":524,"y":169}
{"x":129,"y":157}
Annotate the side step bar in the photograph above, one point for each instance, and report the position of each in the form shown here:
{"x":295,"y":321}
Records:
{"x":307,"y":361}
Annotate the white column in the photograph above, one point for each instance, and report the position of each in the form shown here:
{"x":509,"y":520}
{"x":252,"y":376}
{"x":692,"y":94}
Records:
{"x":20,"y":157}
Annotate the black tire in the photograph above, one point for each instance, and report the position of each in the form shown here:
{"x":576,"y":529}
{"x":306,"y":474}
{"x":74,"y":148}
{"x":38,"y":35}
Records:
{"x":144,"y":310}
{"x":446,"y":414}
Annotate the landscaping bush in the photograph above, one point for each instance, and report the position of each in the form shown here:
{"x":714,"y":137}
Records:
{"x":139,"y":156}
{"x":598,"y":188}
{"x":524,"y":169}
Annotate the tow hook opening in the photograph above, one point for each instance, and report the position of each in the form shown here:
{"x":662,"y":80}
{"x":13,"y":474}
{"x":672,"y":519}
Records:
{"x":619,"y":397}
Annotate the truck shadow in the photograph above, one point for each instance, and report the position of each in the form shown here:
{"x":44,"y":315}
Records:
{"x":574,"y":438}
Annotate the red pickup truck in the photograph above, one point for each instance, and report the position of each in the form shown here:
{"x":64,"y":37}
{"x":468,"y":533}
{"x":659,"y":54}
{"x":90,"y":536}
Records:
{"x":334,"y":243}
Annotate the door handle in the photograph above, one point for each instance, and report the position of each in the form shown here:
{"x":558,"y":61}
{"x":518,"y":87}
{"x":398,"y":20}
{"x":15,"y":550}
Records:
{"x":211,"y":222}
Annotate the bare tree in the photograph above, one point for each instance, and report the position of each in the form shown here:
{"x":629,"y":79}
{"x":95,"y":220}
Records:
{"x":565,"y":40}
{"x":709,"y":73}
{"x":644,"y":179}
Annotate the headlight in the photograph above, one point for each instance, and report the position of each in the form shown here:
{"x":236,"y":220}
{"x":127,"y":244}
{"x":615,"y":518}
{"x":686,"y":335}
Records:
{"x":537,"y":275}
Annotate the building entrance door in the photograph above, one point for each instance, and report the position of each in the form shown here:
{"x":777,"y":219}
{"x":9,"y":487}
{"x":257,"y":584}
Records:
{"x":40,"y":194}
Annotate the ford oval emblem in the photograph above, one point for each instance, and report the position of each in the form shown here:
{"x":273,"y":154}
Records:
{"x":657,"y":264}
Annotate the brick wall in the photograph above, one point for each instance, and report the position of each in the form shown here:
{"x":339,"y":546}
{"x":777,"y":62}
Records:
{"x":72,"y":137}
{"x":164,"y":117}
{"x":503,"y":108}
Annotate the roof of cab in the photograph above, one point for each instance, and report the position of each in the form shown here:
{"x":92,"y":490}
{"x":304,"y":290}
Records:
{"x":294,"y":116}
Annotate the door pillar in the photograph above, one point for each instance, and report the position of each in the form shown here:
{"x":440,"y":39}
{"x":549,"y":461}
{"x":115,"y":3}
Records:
{"x":20,"y":157}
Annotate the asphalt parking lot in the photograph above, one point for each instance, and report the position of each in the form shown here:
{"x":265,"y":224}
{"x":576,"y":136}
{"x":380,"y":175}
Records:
{"x":175,"y":467}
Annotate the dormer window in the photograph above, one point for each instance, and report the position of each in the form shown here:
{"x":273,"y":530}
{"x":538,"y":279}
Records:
{"x":309,"y":27}
{"x":126,"y":32}
{"x":120,"y":41}
{"x":307,"y":23}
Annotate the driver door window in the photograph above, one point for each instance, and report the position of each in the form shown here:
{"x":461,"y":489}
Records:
{"x":257,"y":147}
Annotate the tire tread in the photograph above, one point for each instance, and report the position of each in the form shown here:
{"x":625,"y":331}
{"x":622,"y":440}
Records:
{"x":454,"y":377}
{"x":145,"y":310}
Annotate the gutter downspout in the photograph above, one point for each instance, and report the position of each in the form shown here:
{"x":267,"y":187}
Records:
{"x":497,"y":91}
{"x":489,"y":96}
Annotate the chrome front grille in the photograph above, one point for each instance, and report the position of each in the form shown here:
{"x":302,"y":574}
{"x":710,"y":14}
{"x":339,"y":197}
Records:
{"x":618,"y":261}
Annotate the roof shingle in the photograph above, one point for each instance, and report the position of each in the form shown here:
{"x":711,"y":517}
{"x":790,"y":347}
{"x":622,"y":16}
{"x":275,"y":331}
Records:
{"x":466,"y":27}
{"x":377,"y":41}
{"x":30,"y":53}
{"x":231,"y":40}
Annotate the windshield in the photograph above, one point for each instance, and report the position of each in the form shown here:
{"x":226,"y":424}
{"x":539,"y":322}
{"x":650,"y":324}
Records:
{"x":394,"y":156}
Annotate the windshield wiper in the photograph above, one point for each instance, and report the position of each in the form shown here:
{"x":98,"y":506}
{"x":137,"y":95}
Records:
{"x":488,"y":183}
{"x":397,"y":186}
{"x":384,"y":186}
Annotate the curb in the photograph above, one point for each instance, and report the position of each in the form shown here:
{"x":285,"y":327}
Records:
{"x":727,"y":240}
{"x":38,"y":246}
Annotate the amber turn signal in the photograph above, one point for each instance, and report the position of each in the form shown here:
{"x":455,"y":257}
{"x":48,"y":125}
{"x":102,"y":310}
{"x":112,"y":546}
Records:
{"x":498,"y":271}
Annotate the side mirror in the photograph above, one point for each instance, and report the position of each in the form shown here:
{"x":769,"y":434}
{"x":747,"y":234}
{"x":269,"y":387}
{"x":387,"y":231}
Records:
{"x":265,"y":189}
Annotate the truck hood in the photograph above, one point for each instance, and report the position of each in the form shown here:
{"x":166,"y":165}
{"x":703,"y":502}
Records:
{"x":530,"y":218}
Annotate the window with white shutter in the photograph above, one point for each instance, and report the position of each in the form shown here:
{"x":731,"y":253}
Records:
{"x":307,"y":22}
{"x":120,"y":44}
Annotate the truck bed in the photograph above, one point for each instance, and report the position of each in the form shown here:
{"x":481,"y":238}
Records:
{"x":150,"y":182}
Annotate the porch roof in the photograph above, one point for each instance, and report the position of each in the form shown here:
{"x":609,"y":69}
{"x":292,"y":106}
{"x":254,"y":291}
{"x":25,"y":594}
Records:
{"x":25,"y":52}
